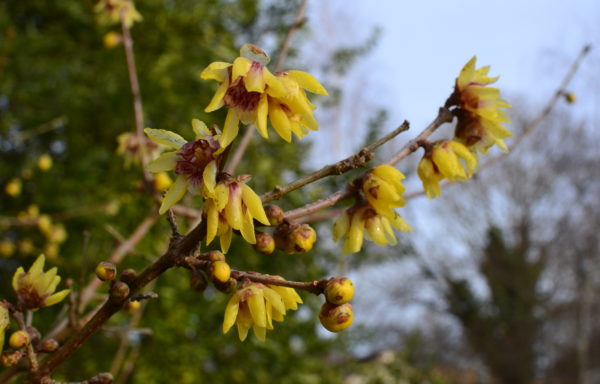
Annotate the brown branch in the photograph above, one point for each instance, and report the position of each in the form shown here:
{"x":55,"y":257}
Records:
{"x":326,"y":202}
{"x":177,"y":250}
{"x":299,"y":20}
{"x":357,"y":160}
{"x":444,"y":116}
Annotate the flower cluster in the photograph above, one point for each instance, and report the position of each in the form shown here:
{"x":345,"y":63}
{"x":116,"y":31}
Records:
{"x":479,"y":112}
{"x":35,"y":288}
{"x":256,"y":306}
{"x":111,"y":11}
{"x":253,"y":94}
{"x":442,"y":160}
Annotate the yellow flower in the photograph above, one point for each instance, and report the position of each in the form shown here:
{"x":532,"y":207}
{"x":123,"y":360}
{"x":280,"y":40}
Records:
{"x":479,"y":115}
{"x":253,"y":306}
{"x":194,"y":162}
{"x":109,"y":12}
{"x":230,"y":205}
{"x":252,"y":93}
{"x":4,"y":323}
{"x":290,"y":297}
{"x":353,"y":222}
{"x":383,"y":189}
{"x":35,"y":288}
{"x":442,"y":161}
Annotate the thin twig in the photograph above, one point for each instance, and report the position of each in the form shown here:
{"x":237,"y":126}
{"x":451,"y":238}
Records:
{"x":357,"y":160}
{"x":299,"y":20}
{"x":31,"y":356}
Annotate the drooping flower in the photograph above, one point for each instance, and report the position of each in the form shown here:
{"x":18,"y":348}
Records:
{"x":252,"y":93}
{"x":35,"y":288}
{"x":110,"y":11}
{"x":479,"y":112}
{"x":383,"y":189}
{"x":194,"y":162}
{"x":253,"y":306}
{"x":443,"y":161}
{"x":290,"y":297}
{"x":129,"y":146}
{"x":232,"y":205}
{"x":362,"y":216}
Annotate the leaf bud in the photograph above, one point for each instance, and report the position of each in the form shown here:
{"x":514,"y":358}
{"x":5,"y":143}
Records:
{"x":49,"y":346}
{"x":275,"y":214}
{"x":106,"y":271}
{"x":336,"y":318}
{"x":119,"y":290}
{"x":198,"y":282}
{"x":214,"y":256}
{"x":128,"y":275}
{"x":339,"y":290}
{"x":265,"y":243}
{"x":19,"y":339}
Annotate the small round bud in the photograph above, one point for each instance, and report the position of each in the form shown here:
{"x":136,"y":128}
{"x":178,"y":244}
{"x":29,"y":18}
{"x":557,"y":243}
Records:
{"x":112,"y":39}
{"x":162,"y":181}
{"x":220,"y":271}
{"x":198,"y":282}
{"x":119,"y":290}
{"x":10,"y":358}
{"x":265,"y":243}
{"x":19,"y":339}
{"x":132,"y":306}
{"x":228,"y":287}
{"x":336,"y":318}
{"x":570,"y":97}
{"x":49,"y":346}
{"x":339,"y":290}
{"x":304,"y":238}
{"x":274,"y":214}
{"x":103,"y":378}
{"x":106,"y":271}
{"x":128,"y":275}
{"x":214,"y":256}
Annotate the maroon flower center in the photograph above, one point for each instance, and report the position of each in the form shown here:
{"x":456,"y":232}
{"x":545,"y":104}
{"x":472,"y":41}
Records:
{"x":238,"y":97}
{"x":193,"y":157}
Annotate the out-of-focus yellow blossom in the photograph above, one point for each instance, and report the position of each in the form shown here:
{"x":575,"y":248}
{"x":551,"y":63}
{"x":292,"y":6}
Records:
{"x":253,"y":306}
{"x":44,"y":162}
{"x":129,"y":147}
{"x":35,"y":288}
{"x":44,"y":224}
{"x":7,"y":248}
{"x":442,"y":161}
{"x":112,"y":39}
{"x":4,"y":323}
{"x":13,"y":187}
{"x":290,"y":297}
{"x":229,"y":205}
{"x":26,"y":246}
{"x":355,"y":220}
{"x":194,"y":162}
{"x":252,"y":93}
{"x":479,"y":112}
{"x":110,"y":11}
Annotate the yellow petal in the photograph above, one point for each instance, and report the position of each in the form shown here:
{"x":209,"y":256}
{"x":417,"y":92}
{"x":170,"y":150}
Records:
{"x":376,"y":231}
{"x":231,"y":312}
{"x":260,"y":332}
{"x":212,"y":221}
{"x":241,"y":66}
{"x":261,"y":116}
{"x":225,"y":240}
{"x":209,"y":177}
{"x":355,"y":235}
{"x":217,"y":100}
{"x":200,"y":129}
{"x":247,"y":228}
{"x":274,"y":299}
{"x":217,"y":70}
{"x":164,"y":162}
{"x":274,"y":86}
{"x":233,"y":209}
{"x":38,"y":267}
{"x":307,"y":81}
{"x":341,"y":226}
{"x":164,"y":137}
{"x":280,"y":122}
{"x":230,"y":128}
{"x":16,"y":277}
{"x":256,"y":304}
{"x":174,"y":194}
{"x":254,"y":80}
{"x":221,"y":196}
{"x":56,"y":298}
{"x":254,"y":204}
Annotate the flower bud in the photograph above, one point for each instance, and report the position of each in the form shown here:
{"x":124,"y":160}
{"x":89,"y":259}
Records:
{"x":106,"y":271}
{"x":128,"y":275}
{"x":10,"y":358}
{"x":265,"y":243}
{"x":119,"y":290}
{"x":132,"y":306}
{"x":274,"y":214}
{"x":198,"y":282}
{"x":19,"y":339}
{"x":570,"y":97}
{"x":49,"y":346}
{"x":214,"y":256}
{"x":339,"y":290}
{"x":336,"y":318}
{"x":162,"y":181}
{"x":220,"y":271}
{"x":304,"y":238}
{"x":112,"y":39}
